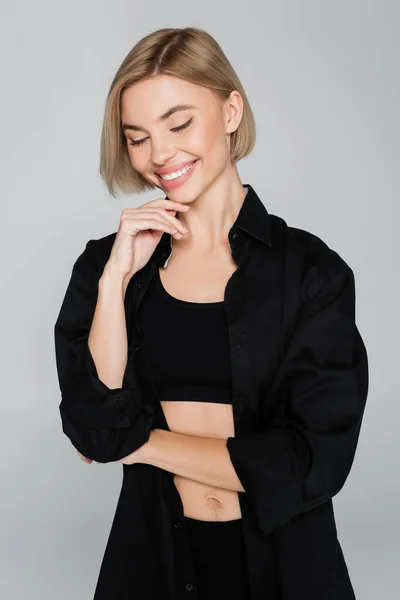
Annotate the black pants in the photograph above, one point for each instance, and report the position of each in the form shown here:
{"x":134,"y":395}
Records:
{"x":219,"y":559}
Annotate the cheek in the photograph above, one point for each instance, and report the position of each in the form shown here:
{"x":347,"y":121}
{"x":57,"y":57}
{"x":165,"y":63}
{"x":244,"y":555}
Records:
{"x":210,"y":140}
{"x":137,"y":160}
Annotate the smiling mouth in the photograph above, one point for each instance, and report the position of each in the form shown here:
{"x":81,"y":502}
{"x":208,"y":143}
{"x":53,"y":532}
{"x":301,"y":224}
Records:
{"x":177,"y":174}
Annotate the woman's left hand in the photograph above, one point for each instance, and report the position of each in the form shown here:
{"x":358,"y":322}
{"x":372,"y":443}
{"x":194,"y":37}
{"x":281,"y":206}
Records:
{"x":84,"y":458}
{"x":141,"y":454}
{"x":128,"y":460}
{"x":131,"y":459}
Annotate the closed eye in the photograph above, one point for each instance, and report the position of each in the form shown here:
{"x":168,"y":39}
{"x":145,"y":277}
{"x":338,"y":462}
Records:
{"x":175,"y":129}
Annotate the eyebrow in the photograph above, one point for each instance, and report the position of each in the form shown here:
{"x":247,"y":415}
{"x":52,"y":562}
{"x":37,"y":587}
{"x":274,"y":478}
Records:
{"x":163,"y":117}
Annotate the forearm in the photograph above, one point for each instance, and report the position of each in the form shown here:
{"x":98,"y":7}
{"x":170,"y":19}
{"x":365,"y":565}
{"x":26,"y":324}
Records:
{"x":107,"y":341}
{"x":202,"y":459}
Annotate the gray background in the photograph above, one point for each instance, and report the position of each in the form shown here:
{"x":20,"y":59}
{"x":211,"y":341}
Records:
{"x":323,"y":81}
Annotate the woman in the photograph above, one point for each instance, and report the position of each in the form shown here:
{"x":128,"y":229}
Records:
{"x":211,"y":349}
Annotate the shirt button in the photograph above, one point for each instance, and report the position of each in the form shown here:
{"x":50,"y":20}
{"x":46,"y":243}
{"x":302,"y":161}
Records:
{"x":189,"y":587}
{"x":136,"y":348}
{"x":164,"y":254}
{"x":139,"y":286}
{"x":178,"y":524}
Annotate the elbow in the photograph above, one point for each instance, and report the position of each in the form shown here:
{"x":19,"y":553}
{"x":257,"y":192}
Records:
{"x":329,"y":470}
{"x":92,"y":443}
{"x":108,"y":442}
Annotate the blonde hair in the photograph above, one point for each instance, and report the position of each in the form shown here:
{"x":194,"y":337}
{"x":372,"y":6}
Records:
{"x":191,"y":54}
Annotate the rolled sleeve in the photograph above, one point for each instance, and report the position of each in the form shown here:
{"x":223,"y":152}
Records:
{"x":303,"y":457}
{"x":103,"y":424}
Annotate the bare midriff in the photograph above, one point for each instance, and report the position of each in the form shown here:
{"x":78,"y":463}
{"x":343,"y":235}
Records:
{"x":201,"y":277}
{"x":207,"y":419}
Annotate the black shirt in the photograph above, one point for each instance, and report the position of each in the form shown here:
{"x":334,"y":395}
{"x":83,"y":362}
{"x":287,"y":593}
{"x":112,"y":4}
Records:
{"x":299,"y":389}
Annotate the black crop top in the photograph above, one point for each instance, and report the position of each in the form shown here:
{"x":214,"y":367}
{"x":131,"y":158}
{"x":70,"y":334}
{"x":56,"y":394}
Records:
{"x":187,"y":344}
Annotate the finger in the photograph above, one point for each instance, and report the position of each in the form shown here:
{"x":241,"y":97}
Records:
{"x":84,"y":458}
{"x":163,"y":203}
{"x":160,"y":203}
{"x":165,"y":216}
{"x":140,"y":224}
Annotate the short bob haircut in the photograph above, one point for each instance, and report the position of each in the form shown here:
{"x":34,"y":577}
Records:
{"x":191,"y":54}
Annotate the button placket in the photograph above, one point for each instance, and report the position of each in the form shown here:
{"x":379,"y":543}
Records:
{"x":185,"y":574}
{"x":178,"y":524}
{"x":189,"y":587}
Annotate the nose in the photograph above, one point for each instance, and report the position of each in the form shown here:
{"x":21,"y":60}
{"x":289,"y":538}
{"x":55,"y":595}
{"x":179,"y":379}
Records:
{"x":161,"y":152}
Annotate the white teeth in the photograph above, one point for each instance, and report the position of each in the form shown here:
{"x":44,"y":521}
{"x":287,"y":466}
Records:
{"x":177,"y":173}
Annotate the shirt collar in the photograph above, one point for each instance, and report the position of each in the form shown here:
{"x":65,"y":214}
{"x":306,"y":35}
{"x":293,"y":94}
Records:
{"x":253,"y":219}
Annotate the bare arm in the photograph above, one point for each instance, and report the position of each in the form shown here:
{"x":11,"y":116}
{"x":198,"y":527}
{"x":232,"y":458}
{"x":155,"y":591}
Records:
{"x":108,"y":342}
{"x":103,"y":422}
{"x":203,"y":459}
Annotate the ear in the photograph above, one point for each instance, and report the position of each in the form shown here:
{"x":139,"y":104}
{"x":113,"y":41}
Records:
{"x":233,"y":111}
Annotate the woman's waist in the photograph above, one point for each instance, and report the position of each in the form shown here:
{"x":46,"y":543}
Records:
{"x":199,"y":418}
{"x":205,"y":502}
{"x":204,"y":419}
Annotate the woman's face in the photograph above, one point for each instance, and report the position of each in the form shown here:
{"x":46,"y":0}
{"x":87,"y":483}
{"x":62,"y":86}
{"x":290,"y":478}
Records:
{"x":199,"y":134}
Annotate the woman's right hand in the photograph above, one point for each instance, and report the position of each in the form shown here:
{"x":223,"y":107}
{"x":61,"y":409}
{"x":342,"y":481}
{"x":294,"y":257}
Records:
{"x":139,"y":232}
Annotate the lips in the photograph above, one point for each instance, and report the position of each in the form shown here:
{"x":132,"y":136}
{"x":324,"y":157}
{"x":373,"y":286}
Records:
{"x":175,"y":168}
{"x":180,"y":180}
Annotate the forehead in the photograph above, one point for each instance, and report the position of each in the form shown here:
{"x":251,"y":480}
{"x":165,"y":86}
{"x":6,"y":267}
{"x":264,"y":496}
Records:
{"x":148,"y":99}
